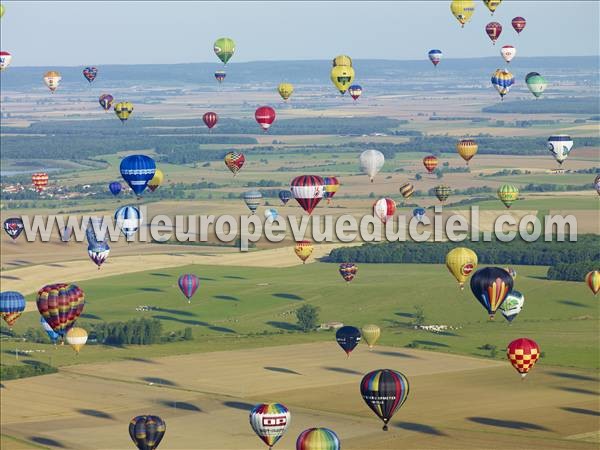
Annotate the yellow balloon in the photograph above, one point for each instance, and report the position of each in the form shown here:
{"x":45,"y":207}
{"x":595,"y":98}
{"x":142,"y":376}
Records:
{"x":303,"y":250}
{"x":463,"y":10}
{"x":342,"y":60}
{"x":467,"y":148}
{"x":461,"y":262}
{"x":371,"y":334}
{"x":123,"y":110}
{"x":285,"y":90}
{"x":342,"y":77}
{"x":1,"y":10}
{"x":156,"y":180}
{"x":76,"y":338}
{"x":492,"y":5}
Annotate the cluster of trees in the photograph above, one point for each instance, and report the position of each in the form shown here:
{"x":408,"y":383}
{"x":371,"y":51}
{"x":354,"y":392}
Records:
{"x":571,"y":271}
{"x":307,"y":317}
{"x":30,"y":368}
{"x":586,"y":248}
{"x":137,"y":331}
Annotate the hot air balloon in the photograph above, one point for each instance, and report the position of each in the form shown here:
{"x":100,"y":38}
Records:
{"x":285,"y":196}
{"x":269,"y":421}
{"x":430,"y":162}
{"x":210,"y":119}
{"x":407,"y":190}
{"x":220,"y":75}
{"x":593,"y":281}
{"x":384,"y":391}
{"x":39,"y":181}
{"x":342,"y":77}
{"x":303,"y":250}
{"x":95,"y":231}
{"x":12,"y":305}
{"x":90,"y":74}
{"x":129,"y":219}
{"x":508,"y":193}
{"x":348,"y":338}
{"x":308,"y":190}
{"x":435,"y":56}
{"x":98,"y":253}
{"x":5,"y":60}
{"x":462,"y":10}
{"x":285,"y":90}
{"x":536,"y":84}
{"x":137,"y":171}
{"x":493,"y":30}
{"x":147,"y":431}
{"x":560,"y":146}
{"x":13,"y":227}
{"x":502,"y":80}
{"x":467,"y":148}
{"x":348,"y":271}
{"x":523,"y":353}
{"x":2,"y":10}
{"x":52,"y":80}
{"x":508,"y":52}
{"x":115,"y":188}
{"x":461,"y":262}
{"x":384,"y":209}
{"x":518,"y":23}
{"x":234,"y":161}
{"x":492,"y":5}
{"x":342,"y":60}
{"x":265,"y":116}
{"x":442,"y":192}
{"x":123,"y":110}
{"x":156,"y":180}
{"x":512,"y":305}
{"x":253,"y":200}
{"x":371,"y":162}
{"x":60,"y":305}
{"x":188,"y":284}
{"x":371,"y":334}
{"x":597,"y":184}
{"x":419,"y":213}
{"x":106,"y":101}
{"x":332,"y":184}
{"x":52,"y":335}
{"x":224,"y":48}
{"x":490,"y":286}
{"x":76,"y":337}
{"x":355,"y":91}
{"x":271,"y":214}
{"x":512,"y":272}
{"x":318,"y":439}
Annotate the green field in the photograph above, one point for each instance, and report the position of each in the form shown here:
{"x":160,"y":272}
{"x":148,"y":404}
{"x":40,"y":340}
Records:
{"x":239,"y":307}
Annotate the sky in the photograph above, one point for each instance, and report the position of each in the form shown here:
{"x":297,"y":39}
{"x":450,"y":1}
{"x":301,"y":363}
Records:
{"x":93,"y":33}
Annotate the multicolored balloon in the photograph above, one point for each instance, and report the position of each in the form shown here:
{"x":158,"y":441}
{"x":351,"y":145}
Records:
{"x":332,"y":184}
{"x":285,"y":90}
{"x":210,"y":119}
{"x":508,"y":193}
{"x":220,"y":75}
{"x":384,"y":209}
{"x":303,"y":250}
{"x":442,"y":192}
{"x":90,"y":74}
{"x":463,"y":10}
{"x":137,"y":171}
{"x":490,"y":286}
{"x":128,"y":219}
{"x":224,"y":49}
{"x":435,"y":56}
{"x":188,"y":284}
{"x":253,"y":199}
{"x":461,"y":262}
{"x":234,"y":162}
{"x":419,"y":213}
{"x":265,"y":116}
{"x":98,"y":253}
{"x":502,"y":80}
{"x":13,"y":227}
{"x":285,"y":196}
{"x":370,"y":333}
{"x":123,"y":110}
{"x":467,"y":148}
{"x":12,"y":305}
{"x":430,"y":162}
{"x":156,"y":180}
{"x":512,"y":272}
{"x":371,"y":162}
{"x":348,"y":338}
{"x":308,"y":190}
{"x":512,"y":305}
{"x":592,"y":279}
{"x":5,"y":60}
{"x":76,"y":337}
{"x":342,"y":77}
{"x":60,"y":305}
{"x":271,"y":214}
{"x":52,"y":80}
{"x":560,"y":146}
{"x":106,"y":101}
{"x":493,"y":30}
{"x":348,"y":271}
{"x":508,"y":52}
{"x":318,"y":439}
{"x":518,"y":23}
{"x":39,"y":181}
{"x":384,"y":391}
{"x":407,"y":190}
{"x":355,"y":91}
{"x":147,"y":431}
{"x":269,"y":421}
{"x":523,"y":353}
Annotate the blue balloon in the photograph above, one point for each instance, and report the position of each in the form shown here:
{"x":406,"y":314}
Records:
{"x":53,"y":335}
{"x":128,"y":219}
{"x":271,"y":214}
{"x":137,"y":171}
{"x":95,"y":232}
{"x":419,"y":213}
{"x":285,"y":196}
{"x":11,"y":302}
{"x":115,"y":188}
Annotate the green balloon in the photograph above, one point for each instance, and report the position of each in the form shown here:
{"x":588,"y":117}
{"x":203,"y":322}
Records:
{"x":536,"y":83}
{"x":224,"y":49}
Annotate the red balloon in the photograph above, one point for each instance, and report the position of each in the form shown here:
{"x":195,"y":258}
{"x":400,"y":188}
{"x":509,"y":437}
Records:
{"x":308,"y":191}
{"x":265,"y":116}
{"x":430,"y":163}
{"x":60,"y":305}
{"x":39,"y":181}
{"x":493,"y":30}
{"x":210,"y":119}
{"x":518,"y":23}
{"x":523,"y":353}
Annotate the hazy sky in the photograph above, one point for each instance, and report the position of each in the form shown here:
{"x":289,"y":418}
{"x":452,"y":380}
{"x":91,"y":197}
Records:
{"x":81,"y":33}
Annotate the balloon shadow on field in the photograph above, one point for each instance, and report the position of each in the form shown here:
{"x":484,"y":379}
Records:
{"x":577,"y":390}
{"x":226,"y":297}
{"x":185,"y":406}
{"x":18,"y":262}
{"x":283,"y":325}
{"x":431,"y":343}
{"x":588,"y":412}
{"x":343,"y":370}
{"x":140,"y":360}
{"x":149,"y":289}
{"x":55,"y":265}
{"x":158,"y":274}
{"x":90,"y":316}
{"x":420,"y":428}
{"x":46,"y":441}
{"x":176,"y":312}
{"x":282,"y":370}
{"x":405,"y":314}
{"x":2,"y":386}
{"x":221,"y":329}
{"x":572,"y":376}
{"x":572,"y":303}
{"x":184,"y":321}
{"x":397,"y":354}
{"x":239,"y":405}
{"x":206,"y":279}
{"x":160,"y":381}
{"x":9,"y":277}
{"x":512,"y":424}
{"x":287,"y":296}
{"x":234,"y":277}
{"x":95,"y":413}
